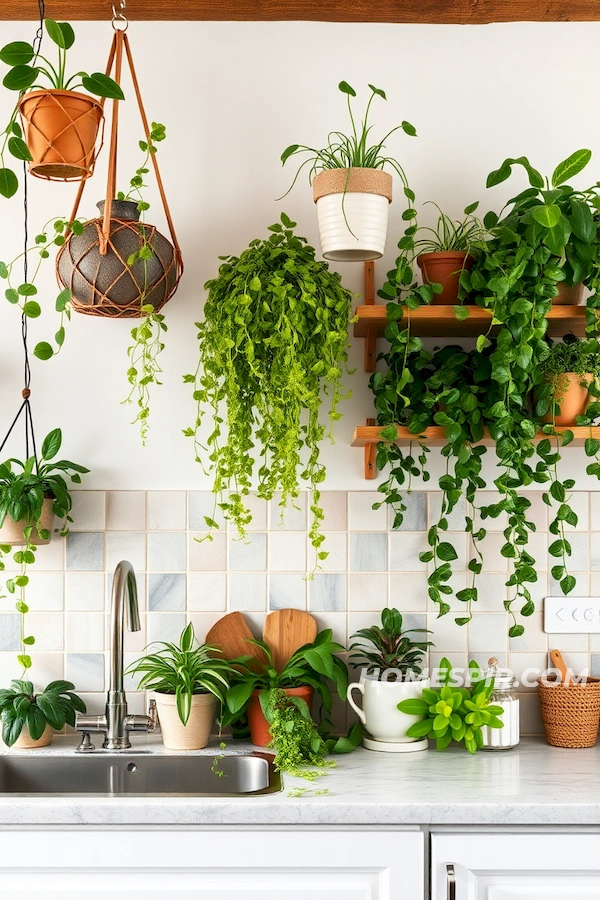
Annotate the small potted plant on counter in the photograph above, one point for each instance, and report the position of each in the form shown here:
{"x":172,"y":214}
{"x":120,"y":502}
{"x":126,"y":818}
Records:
{"x":61,"y":124}
{"x":309,"y":669}
{"x":391,"y":662}
{"x":29,"y":719}
{"x":448,"y":713}
{"x":570,"y":376}
{"x":350,"y":187}
{"x":189,"y":683}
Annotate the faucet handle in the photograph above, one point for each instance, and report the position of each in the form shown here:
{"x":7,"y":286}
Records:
{"x":86,"y":745}
{"x":153,"y":716}
{"x":143,"y":723}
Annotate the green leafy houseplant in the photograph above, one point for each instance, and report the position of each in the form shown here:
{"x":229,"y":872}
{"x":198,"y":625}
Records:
{"x":21,"y":707}
{"x":273,"y":341}
{"x":389,"y":647}
{"x":299,"y":742}
{"x":184,"y":670}
{"x":455,"y":713}
{"x":353,"y":150}
{"x":26,"y":67}
{"x":581,"y":357}
{"x":24,"y":487}
{"x":448,"y":234}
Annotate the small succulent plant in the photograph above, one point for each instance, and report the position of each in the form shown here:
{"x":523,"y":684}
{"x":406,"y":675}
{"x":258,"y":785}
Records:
{"x":391,"y":647}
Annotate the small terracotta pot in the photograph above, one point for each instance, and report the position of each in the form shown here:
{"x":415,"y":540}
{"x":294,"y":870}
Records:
{"x":12,"y":532}
{"x":196,"y":734}
{"x":444,"y":268}
{"x":260,"y":732}
{"x":568,"y":295}
{"x":61,"y":128}
{"x":571,"y":397}
{"x":26,"y":742}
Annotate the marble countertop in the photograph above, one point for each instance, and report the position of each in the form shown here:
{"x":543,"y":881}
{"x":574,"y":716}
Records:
{"x":532,"y":785}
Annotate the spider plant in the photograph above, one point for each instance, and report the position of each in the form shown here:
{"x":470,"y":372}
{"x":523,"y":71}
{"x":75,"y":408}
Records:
{"x":451,"y":234}
{"x":184,"y":670}
{"x":346,"y":151}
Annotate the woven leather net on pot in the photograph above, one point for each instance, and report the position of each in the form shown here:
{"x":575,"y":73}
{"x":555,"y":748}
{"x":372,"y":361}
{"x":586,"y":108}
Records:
{"x":105,"y":285}
{"x":570,"y":712}
{"x":61,"y":128}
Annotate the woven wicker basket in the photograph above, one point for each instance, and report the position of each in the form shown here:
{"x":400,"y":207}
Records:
{"x":570,"y":712}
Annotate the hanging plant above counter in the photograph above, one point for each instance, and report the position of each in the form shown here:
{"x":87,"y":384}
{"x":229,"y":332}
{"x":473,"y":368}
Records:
{"x":60,"y":124}
{"x":350,"y":187}
{"x":273,"y":341}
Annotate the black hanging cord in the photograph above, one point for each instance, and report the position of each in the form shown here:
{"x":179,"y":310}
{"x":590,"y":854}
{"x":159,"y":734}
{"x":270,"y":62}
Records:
{"x":25,"y":408}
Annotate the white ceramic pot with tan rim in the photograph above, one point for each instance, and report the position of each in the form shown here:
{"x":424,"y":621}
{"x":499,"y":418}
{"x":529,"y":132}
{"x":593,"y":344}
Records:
{"x":380,"y":714}
{"x":12,"y":532}
{"x":352,"y":211}
{"x":196,"y":734}
{"x":26,"y":742}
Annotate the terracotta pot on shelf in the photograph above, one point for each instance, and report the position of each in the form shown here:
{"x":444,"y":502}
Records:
{"x":260,"y":732}
{"x":196,"y":734}
{"x":571,"y":396}
{"x":352,"y":210}
{"x":444,"y":267}
{"x":26,"y":742}
{"x":61,"y":130}
{"x":568,"y":295}
{"x":12,"y":532}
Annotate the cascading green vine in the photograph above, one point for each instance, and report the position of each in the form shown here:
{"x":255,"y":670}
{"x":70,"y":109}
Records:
{"x":274,"y":340}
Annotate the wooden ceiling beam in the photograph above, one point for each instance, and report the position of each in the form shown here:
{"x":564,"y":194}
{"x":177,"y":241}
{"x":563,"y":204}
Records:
{"x":438,"y":12}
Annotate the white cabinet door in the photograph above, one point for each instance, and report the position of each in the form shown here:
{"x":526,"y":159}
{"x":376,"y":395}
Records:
{"x":515,"y":867}
{"x":231,"y":864}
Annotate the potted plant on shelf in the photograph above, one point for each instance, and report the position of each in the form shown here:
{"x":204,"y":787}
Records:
{"x":60,"y":123}
{"x":189,"y":683}
{"x":273,"y":340}
{"x":567,"y":379}
{"x":29,"y":719}
{"x":391,"y":660}
{"x":33,"y":494}
{"x":448,"y":713}
{"x":350,"y":187}
{"x":256,"y":690}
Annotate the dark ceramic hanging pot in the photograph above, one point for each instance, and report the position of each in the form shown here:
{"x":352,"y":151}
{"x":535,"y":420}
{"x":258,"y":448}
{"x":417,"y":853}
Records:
{"x":106,"y":285}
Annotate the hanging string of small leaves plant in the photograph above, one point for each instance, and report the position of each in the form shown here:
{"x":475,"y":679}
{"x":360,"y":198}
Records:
{"x":274,"y":341}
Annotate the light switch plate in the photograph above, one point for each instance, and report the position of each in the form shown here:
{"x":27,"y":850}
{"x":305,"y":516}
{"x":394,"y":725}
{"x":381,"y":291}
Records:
{"x":572,"y":615}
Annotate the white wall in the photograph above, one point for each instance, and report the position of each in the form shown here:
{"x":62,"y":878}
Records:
{"x":233,"y":96}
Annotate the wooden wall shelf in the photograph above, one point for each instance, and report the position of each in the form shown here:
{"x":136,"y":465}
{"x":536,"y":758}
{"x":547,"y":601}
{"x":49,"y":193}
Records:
{"x":440,"y":321}
{"x":366,"y":435}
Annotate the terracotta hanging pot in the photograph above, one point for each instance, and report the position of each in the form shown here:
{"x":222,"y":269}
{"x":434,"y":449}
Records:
{"x":571,"y":396}
{"x":12,"y":532}
{"x":260,"y":732}
{"x":352,"y":209}
{"x":61,"y":130}
{"x":444,"y":267}
{"x":107,"y":285}
{"x":568,"y":295}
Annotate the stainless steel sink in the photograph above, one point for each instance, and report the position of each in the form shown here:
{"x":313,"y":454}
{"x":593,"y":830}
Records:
{"x":136,"y":774}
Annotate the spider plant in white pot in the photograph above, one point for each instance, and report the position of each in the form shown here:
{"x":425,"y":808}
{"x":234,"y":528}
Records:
{"x":188,"y":683}
{"x":350,"y":187}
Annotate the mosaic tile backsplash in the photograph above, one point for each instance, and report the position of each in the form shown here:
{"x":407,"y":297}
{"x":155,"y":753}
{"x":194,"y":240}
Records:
{"x":370,"y":566}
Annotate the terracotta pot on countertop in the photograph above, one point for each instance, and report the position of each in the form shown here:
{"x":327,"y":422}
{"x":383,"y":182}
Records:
{"x":260,"y":732}
{"x":61,"y":128}
{"x":571,"y":396}
{"x":26,"y":742}
{"x":444,"y":267}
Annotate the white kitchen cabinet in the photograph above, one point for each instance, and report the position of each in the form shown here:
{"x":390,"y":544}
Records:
{"x":220,"y":864}
{"x":504,"y":866}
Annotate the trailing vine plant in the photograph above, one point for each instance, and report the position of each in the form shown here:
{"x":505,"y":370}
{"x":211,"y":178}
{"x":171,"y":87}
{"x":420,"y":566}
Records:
{"x":144,"y":368}
{"x":273,"y":342}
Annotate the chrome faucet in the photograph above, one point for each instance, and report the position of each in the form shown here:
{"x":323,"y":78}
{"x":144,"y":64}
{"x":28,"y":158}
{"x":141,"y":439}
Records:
{"x":116,"y":723}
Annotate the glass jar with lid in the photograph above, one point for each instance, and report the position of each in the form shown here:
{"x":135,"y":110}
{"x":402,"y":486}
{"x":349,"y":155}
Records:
{"x":504,"y":695}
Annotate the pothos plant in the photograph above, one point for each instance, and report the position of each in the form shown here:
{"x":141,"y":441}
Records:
{"x":26,"y":67}
{"x":273,"y":342}
{"x":24,"y":486}
{"x":144,"y":368}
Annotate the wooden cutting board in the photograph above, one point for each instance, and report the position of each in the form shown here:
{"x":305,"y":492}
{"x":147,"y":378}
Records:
{"x":232,"y":635}
{"x":285,"y":631}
